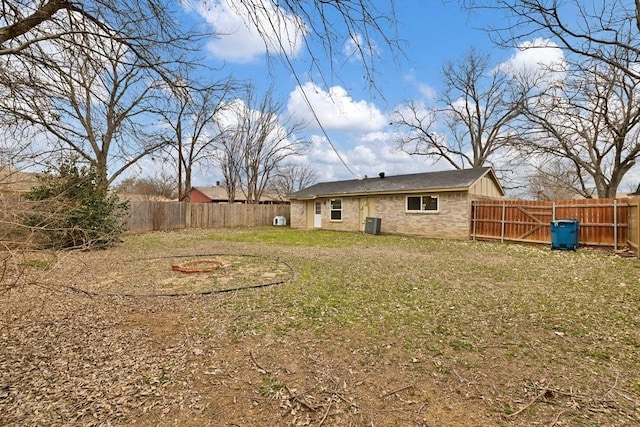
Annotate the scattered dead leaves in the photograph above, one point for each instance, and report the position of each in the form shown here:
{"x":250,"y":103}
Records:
{"x":403,"y":333}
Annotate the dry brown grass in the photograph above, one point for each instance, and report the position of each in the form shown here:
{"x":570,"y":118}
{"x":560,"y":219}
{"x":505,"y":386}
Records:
{"x":369,"y":330}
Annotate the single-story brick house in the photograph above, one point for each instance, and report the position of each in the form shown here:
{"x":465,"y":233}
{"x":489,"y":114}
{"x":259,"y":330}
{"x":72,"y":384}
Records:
{"x":432,"y":204}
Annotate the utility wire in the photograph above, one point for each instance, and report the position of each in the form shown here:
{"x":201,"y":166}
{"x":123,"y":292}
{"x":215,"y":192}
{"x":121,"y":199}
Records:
{"x":304,"y":93}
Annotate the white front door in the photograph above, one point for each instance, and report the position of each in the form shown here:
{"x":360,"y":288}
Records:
{"x":317,"y":215}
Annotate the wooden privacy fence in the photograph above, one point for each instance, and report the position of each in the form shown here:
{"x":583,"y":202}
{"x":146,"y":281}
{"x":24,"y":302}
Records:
{"x":603,"y":222}
{"x":633,"y":219}
{"x":154,"y":215}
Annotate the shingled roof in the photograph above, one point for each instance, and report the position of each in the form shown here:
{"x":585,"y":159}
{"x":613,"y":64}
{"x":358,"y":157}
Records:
{"x":452,"y":180}
{"x":219,"y":194}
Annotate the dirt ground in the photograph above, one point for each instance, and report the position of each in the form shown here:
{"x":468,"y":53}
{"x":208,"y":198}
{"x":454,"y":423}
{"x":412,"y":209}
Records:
{"x":116,"y":337}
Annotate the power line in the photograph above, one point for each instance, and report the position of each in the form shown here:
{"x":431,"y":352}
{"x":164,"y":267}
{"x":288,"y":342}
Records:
{"x":306,"y":98}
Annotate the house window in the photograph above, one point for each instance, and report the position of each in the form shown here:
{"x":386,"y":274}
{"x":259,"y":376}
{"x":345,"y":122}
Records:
{"x":422,"y":204}
{"x":336,"y":209}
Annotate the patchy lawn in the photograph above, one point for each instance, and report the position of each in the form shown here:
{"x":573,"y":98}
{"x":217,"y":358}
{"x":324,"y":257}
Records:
{"x":327,"y":329}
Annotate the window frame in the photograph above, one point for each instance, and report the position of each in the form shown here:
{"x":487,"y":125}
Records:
{"x":333,"y":210}
{"x":422,"y":209}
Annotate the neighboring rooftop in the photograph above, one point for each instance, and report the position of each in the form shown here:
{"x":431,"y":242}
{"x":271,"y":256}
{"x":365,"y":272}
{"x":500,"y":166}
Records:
{"x":452,"y":180}
{"x":219,"y":194}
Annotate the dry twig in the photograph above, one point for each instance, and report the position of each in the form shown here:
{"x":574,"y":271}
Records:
{"x":255,"y":362}
{"x":397,"y":390}
{"x":557,"y":417}
{"x":301,"y":400}
{"x":326,"y":413}
{"x":538,"y":396}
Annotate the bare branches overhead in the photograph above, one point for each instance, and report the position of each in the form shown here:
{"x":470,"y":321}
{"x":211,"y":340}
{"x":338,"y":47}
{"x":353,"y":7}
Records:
{"x":363,"y":26}
{"x":141,"y":24}
{"x":81,"y":74}
{"x":589,"y":29}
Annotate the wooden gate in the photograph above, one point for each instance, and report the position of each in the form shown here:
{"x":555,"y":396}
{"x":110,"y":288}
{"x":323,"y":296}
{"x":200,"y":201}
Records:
{"x":633,"y":236}
{"x":603,"y":222}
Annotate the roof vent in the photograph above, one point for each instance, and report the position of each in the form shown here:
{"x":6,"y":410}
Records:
{"x":381,"y":174}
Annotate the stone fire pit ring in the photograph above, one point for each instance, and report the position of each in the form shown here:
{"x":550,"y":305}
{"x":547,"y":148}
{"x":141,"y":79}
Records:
{"x":199,"y":266}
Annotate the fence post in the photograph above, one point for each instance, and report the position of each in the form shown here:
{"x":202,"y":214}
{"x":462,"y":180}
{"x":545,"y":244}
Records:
{"x":637,"y":230}
{"x":187,"y":215}
{"x":553,"y":211}
{"x":474,"y":207}
{"x":636,"y":226}
{"x":615,"y":224}
{"x":504,"y":209}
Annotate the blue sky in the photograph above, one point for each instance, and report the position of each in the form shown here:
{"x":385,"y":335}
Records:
{"x":356,"y":116}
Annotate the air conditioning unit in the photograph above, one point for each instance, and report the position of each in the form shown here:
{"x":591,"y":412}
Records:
{"x":372,"y":225}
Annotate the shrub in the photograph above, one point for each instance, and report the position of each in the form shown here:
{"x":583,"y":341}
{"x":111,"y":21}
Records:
{"x":71,"y":209}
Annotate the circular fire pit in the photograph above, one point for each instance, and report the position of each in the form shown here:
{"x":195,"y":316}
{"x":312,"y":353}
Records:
{"x":199,"y":266}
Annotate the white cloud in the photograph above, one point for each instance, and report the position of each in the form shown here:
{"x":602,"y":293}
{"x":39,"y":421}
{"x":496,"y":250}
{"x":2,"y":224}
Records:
{"x":364,"y":154}
{"x":335,"y":109}
{"x":541,"y":59}
{"x":355,"y":48}
{"x":372,"y":153}
{"x":427,"y":91}
{"x":631,"y":181}
{"x":243,"y":38}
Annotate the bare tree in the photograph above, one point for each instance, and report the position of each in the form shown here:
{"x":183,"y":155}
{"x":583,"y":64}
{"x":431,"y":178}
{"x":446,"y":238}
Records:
{"x":332,"y":32}
{"x":228,"y":158}
{"x":50,"y":47}
{"x":592,"y":119}
{"x":292,"y":177}
{"x":596,"y":30}
{"x":261,"y":139}
{"x":190,"y":112}
{"x":162,"y":185}
{"x":97,"y":109}
{"x":34,"y":34}
{"x":471,"y":120}
{"x":554,"y":179}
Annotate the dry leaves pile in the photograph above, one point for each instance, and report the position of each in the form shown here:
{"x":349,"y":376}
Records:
{"x":69,"y":359}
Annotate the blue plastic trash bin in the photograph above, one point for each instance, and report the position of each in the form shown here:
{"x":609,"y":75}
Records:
{"x":564,"y":234}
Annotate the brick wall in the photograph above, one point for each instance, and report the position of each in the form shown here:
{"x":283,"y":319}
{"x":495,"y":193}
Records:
{"x":450,"y":222}
{"x":299,"y":214}
{"x":300,"y":218}
{"x":350,"y":215}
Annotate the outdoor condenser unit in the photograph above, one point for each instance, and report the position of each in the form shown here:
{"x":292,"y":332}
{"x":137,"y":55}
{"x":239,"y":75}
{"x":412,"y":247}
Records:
{"x":372,"y":225}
